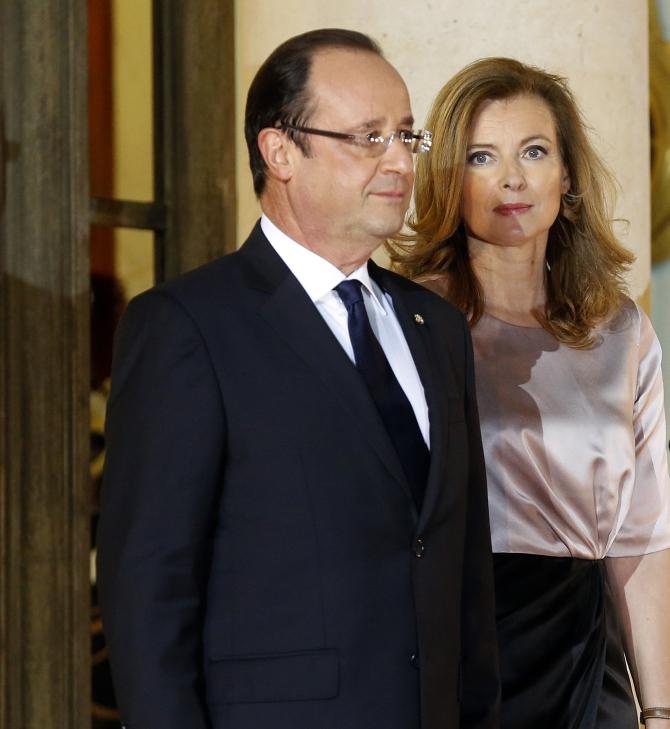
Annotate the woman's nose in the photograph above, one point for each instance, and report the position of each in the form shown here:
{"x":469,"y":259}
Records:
{"x":512,"y":177}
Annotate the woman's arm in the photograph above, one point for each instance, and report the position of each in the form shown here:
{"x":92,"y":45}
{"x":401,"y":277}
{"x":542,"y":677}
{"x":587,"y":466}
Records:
{"x":639,"y":560}
{"x":641,"y":587}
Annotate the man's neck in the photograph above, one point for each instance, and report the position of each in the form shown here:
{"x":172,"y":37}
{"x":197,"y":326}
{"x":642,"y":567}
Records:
{"x":344,"y":255}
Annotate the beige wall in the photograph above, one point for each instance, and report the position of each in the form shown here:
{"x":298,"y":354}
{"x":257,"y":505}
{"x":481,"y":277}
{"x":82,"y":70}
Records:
{"x":133,"y":140}
{"x":600,"y":46}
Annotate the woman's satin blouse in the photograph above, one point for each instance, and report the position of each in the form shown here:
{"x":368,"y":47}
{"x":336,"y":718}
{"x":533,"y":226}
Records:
{"x":574,"y":439}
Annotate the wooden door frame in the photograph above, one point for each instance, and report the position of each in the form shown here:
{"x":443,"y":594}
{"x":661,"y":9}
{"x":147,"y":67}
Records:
{"x":45,"y":214}
{"x":44,"y":382}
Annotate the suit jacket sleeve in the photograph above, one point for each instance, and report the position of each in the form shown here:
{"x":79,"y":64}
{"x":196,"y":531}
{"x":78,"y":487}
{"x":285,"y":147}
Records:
{"x":165,"y":438}
{"x":480,"y":682}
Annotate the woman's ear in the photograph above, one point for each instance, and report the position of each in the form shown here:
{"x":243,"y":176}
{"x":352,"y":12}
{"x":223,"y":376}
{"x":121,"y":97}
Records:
{"x":273,"y":146}
{"x":565,"y":180}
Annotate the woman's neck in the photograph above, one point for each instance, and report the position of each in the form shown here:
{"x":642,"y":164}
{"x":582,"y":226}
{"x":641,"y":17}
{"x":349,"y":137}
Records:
{"x":512,"y":278}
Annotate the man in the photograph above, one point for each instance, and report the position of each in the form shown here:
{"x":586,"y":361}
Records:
{"x":279,"y":549}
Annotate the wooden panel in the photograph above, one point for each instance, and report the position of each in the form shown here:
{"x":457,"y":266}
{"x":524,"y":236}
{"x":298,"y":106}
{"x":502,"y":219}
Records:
{"x":44,"y":378}
{"x":127,"y":214}
{"x":195,"y":138}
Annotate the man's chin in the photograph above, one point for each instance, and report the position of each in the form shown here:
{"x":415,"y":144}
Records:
{"x":388,"y":224}
{"x":390,"y":229}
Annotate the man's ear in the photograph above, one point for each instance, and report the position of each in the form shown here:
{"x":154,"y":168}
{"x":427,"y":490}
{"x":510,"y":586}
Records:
{"x":273,"y":145}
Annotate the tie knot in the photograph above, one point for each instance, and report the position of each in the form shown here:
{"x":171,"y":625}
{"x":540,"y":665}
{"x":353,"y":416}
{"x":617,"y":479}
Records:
{"x":350,"y":292}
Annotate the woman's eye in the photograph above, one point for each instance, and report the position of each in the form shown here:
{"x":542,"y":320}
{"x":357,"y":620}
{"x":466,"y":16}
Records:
{"x":535,"y":152}
{"x":479,"y":158}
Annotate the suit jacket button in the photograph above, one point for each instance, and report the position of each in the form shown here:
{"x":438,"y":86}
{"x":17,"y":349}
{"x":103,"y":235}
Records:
{"x":419,"y":548}
{"x":414,"y":661}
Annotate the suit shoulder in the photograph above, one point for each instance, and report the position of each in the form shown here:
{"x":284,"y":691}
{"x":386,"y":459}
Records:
{"x":210,"y":276}
{"x":203,"y":286}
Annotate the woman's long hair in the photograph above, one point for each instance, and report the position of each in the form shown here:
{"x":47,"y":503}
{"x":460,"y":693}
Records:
{"x":585,"y":284}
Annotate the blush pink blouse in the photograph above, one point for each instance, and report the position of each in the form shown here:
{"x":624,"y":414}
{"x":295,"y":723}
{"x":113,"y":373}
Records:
{"x":575,"y":440}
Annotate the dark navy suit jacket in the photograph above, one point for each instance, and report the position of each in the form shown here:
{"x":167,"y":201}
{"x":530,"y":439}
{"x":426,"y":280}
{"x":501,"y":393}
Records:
{"x":261,"y":561}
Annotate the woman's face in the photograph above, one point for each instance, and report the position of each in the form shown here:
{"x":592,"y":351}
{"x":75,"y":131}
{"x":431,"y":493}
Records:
{"x":514,"y":173}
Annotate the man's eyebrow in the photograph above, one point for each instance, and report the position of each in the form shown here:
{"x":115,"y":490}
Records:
{"x":381,"y":121}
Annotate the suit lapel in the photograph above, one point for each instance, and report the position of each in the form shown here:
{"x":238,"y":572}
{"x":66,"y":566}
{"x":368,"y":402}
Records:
{"x":291,"y":314}
{"x":408,"y":303}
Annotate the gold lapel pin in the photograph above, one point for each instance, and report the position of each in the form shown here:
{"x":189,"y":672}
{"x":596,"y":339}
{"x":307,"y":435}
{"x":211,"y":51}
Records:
{"x":418,"y":319}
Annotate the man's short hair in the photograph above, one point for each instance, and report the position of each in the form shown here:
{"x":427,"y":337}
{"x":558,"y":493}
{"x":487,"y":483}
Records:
{"x":278,"y":94}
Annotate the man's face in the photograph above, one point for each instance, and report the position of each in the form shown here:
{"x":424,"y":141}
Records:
{"x":339,"y":196}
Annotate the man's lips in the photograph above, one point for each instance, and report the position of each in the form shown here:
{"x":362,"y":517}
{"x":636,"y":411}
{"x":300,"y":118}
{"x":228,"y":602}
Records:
{"x":512,"y":208}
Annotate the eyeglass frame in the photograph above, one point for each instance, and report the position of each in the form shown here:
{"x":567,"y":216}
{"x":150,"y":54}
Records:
{"x":420,"y":140}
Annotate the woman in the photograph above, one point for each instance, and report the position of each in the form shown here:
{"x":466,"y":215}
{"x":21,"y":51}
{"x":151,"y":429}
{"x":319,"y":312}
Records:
{"x":512,"y":225}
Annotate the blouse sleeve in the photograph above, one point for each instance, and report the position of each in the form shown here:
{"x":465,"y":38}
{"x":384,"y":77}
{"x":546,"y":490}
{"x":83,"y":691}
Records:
{"x":646,"y":525}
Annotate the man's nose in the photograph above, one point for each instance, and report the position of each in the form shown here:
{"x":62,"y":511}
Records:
{"x":397,"y":157}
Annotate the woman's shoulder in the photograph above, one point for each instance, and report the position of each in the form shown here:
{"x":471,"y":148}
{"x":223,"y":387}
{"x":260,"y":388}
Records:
{"x":632,"y":323}
{"x":629,"y":316}
{"x":437,"y":283}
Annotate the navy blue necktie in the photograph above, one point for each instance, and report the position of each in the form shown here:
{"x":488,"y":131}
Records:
{"x":387,"y":394}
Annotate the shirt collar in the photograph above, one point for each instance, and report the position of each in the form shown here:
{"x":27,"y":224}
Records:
{"x":316,"y":275}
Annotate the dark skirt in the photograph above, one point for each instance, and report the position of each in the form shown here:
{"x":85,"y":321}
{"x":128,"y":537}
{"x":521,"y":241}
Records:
{"x":561,"y":657}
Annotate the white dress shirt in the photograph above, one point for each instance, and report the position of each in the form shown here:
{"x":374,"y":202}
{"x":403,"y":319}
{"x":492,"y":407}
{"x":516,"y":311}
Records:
{"x":319,"y":277}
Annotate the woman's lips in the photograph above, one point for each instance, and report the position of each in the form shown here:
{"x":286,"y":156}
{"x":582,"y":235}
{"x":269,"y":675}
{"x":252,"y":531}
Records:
{"x":512,"y":208}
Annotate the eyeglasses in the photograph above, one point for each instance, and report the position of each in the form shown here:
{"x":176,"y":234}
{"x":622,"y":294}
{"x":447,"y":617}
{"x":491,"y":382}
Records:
{"x":372,"y":143}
